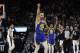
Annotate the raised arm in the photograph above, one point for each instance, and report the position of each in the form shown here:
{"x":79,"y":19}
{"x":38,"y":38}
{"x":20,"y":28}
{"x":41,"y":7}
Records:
{"x":55,"y":26}
{"x":38,"y":14}
{"x":38,"y":9}
{"x":8,"y":33}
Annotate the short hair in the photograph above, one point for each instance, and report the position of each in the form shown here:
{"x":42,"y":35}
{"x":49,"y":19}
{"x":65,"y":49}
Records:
{"x":41,"y":11}
{"x":10,"y":22}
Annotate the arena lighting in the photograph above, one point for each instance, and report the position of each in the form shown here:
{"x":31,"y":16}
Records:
{"x":20,"y":29}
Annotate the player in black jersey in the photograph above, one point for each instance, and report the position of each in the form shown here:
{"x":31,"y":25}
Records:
{"x":61,"y":37}
{"x":76,"y":40}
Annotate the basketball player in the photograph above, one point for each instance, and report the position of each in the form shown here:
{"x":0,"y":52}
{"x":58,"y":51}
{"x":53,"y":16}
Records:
{"x":76,"y":40}
{"x":39,"y":36}
{"x":51,"y":39}
{"x":2,"y":30}
{"x":52,"y":36}
{"x":71,"y":37}
{"x":39,"y":18}
{"x":61,"y":37}
{"x":67,"y":42}
{"x":10,"y":38}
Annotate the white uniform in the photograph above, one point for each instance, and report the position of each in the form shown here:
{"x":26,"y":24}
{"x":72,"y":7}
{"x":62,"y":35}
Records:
{"x":67,"y":34}
{"x":10,"y":40}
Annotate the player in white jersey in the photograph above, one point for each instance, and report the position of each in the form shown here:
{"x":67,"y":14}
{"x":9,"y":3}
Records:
{"x":10,"y":38}
{"x":68,"y":41}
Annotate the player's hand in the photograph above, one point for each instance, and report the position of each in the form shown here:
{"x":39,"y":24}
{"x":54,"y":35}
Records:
{"x":38,"y":4}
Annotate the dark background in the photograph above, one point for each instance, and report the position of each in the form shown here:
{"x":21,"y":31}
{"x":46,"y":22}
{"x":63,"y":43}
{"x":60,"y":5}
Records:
{"x":24,"y":11}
